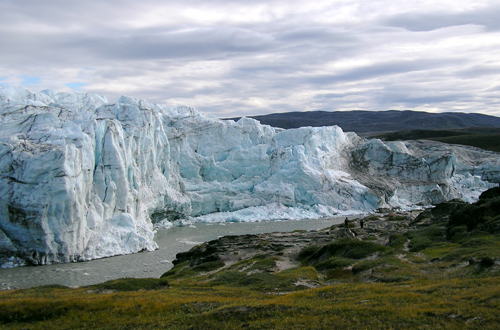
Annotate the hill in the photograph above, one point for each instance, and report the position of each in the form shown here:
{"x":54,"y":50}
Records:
{"x":363,"y":122}
{"x":481,"y":137}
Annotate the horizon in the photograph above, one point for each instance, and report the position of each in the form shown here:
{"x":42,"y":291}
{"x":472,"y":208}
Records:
{"x":273,"y":113}
{"x":354,"y":110}
{"x":233,"y":59}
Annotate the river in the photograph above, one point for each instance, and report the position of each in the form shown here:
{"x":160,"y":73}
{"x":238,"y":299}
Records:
{"x":147,"y":264}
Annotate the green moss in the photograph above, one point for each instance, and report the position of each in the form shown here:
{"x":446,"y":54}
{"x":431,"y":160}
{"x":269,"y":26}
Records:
{"x":132,"y":284}
{"x":338,"y":274}
{"x":397,"y":241}
{"x":476,"y":242}
{"x":263,"y":264}
{"x":209,"y":266}
{"x":230,"y":278}
{"x":394,"y":279}
{"x":47,"y":288}
{"x":265,"y":282}
{"x":478,"y":232}
{"x":457,"y":233}
{"x":171,"y":272}
{"x":180,"y":270}
{"x":334,"y":263}
{"x":434,"y":232}
{"x":478,"y":247}
{"x":370,"y":264}
{"x":471,"y":247}
{"x":416,"y":258}
{"x":396,"y":218}
{"x":258,"y":262}
{"x":261,"y":256}
{"x":307,"y":252}
{"x":309,"y":273}
{"x":420,"y":243}
{"x":439,"y":250}
{"x":345,"y":248}
{"x":426,"y":238}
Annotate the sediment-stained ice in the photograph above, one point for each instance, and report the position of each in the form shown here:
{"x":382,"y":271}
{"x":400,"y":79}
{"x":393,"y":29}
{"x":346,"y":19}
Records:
{"x":82,"y":178}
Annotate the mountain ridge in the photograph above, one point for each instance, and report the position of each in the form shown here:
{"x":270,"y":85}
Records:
{"x":364,"y":122}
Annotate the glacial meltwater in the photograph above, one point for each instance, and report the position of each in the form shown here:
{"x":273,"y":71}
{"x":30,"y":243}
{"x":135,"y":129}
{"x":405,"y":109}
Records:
{"x":147,"y":264}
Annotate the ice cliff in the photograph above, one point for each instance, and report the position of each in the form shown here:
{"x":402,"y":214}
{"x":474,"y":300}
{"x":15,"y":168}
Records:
{"x":82,"y":178}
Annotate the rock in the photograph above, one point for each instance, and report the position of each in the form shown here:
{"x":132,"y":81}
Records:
{"x":283,"y":248}
{"x":487,"y":262}
{"x":482,"y":215}
{"x":490,"y":194}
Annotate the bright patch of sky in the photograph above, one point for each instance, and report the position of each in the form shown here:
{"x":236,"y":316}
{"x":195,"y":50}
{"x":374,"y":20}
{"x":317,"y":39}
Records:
{"x":28,"y":81}
{"x":76,"y":85}
{"x":233,"y":58}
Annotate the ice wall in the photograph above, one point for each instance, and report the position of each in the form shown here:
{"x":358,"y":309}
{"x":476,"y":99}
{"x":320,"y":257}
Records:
{"x":81,"y":178}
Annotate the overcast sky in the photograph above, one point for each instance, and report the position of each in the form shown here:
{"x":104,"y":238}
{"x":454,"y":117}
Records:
{"x":234,"y":58}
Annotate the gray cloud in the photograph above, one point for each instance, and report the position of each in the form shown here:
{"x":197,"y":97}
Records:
{"x":486,"y":16}
{"x":242,"y":58}
{"x":196,"y":44}
{"x":380,"y":70}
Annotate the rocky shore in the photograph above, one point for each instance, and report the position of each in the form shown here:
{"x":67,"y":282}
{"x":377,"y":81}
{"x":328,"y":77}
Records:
{"x":392,"y":246}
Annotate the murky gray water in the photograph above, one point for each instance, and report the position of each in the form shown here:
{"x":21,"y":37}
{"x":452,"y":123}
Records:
{"x":147,"y":264}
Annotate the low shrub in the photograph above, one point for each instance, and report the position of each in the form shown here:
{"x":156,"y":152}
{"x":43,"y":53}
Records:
{"x":309,"y":273}
{"x":365,"y":265}
{"x":32,"y":311}
{"x":476,"y":242}
{"x":394,"y":279}
{"x":132,"y":284}
{"x":370,"y":264}
{"x":345,"y":247}
{"x":230,"y":278}
{"x":397,"y":241}
{"x":263,"y":264}
{"x":307,"y":252}
{"x":457,"y":233}
{"x":419,"y":243}
{"x":487,"y":262}
{"x":396,"y":218}
{"x":209,"y":266}
{"x":338,"y":274}
{"x":334,"y":263}
{"x":426,"y":238}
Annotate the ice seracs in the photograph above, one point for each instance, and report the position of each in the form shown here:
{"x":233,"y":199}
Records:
{"x":82,"y":178}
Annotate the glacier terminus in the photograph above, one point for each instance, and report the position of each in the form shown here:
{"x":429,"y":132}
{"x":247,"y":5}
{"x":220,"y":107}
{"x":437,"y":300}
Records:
{"x":82,"y":178}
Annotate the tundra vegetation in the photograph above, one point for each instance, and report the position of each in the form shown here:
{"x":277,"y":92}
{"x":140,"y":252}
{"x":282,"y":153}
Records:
{"x":438,"y":269}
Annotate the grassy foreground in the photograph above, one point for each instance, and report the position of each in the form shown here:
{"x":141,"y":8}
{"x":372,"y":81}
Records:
{"x":436,"y":304}
{"x":430,"y":288}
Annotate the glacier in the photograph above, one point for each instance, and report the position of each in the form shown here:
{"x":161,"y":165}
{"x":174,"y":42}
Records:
{"x":82,"y":178}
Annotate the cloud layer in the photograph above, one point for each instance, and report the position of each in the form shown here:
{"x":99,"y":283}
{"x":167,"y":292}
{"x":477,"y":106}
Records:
{"x":232,"y":58}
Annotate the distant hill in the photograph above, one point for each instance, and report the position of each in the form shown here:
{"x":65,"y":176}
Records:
{"x":482,"y":137}
{"x":365,"y":122}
